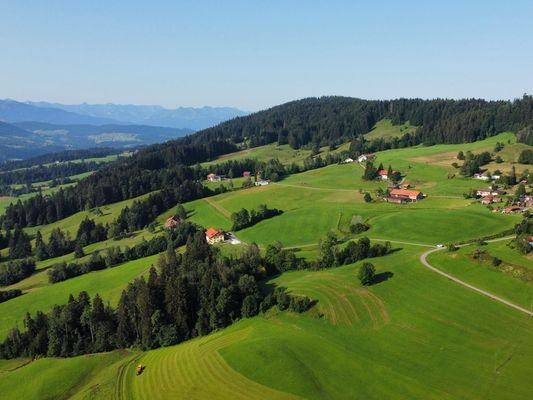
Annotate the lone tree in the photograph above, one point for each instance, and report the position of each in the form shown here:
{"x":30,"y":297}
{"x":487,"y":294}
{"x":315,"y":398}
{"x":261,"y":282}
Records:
{"x":367,"y":197}
{"x":367,"y":273}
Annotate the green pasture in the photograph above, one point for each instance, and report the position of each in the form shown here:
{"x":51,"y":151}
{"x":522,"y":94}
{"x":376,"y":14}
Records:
{"x":109,"y":283}
{"x":384,"y":129}
{"x":504,"y":280}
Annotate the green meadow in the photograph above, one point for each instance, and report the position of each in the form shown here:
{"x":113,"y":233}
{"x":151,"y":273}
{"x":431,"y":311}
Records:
{"x":412,"y":335}
{"x":506,"y":280}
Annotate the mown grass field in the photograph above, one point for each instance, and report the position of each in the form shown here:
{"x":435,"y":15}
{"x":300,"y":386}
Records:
{"x":413,"y":336}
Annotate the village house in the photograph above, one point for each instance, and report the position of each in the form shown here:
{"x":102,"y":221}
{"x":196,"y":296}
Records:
{"x":530,"y":241}
{"x":213,"y":236}
{"x":246,"y":174}
{"x":526,"y":200}
{"x":214,"y":177}
{"x":490,"y":199}
{"x":384,"y":174}
{"x":512,"y":210}
{"x":488,"y":192}
{"x":349,"y":160}
{"x":365,"y":157}
{"x":171,"y":222}
{"x":261,"y":182}
{"x":404,"y":196}
{"x":482,"y":177}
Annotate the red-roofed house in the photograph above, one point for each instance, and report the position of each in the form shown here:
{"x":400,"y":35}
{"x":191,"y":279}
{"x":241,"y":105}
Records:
{"x":404,"y":196}
{"x":246,"y":174}
{"x":512,"y":209}
{"x":384,"y":174}
{"x":214,"y":236}
{"x":490,"y":199}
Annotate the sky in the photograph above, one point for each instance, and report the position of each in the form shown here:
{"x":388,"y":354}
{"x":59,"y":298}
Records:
{"x":256,"y":54}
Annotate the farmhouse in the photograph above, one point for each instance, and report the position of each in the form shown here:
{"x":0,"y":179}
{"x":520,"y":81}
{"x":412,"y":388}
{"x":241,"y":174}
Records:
{"x":246,"y":174}
{"x":530,"y":241}
{"x":482,"y":177}
{"x":261,"y":182}
{"x":526,"y":200}
{"x":171,"y":222}
{"x":365,"y":157}
{"x":384,"y":174}
{"x":214,"y":177}
{"x":213,"y":236}
{"x":488,"y":192}
{"x":490,"y":199}
{"x":512,"y":209}
{"x":348,"y":160}
{"x":404,"y":196}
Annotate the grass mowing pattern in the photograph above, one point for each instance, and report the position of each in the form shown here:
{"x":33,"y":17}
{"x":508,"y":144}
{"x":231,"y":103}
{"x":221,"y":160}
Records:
{"x":194,"y":370}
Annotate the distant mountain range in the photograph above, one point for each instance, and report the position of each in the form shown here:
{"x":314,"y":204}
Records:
{"x":28,"y":139}
{"x":29,"y":129}
{"x":181,"y":117}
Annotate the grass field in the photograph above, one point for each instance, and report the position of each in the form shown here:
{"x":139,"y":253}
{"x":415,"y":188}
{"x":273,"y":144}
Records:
{"x":412,"y":335}
{"x":503,"y":281}
{"x":77,"y":378}
{"x":108,"y":283}
{"x":384,"y":129}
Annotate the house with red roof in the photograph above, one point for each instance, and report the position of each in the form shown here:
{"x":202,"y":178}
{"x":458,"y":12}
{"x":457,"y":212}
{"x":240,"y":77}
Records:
{"x":404,"y":196}
{"x":384,"y":174}
{"x":213,"y":236}
{"x":490,"y":199}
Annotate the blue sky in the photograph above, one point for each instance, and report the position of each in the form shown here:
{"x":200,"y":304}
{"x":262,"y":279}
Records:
{"x":255,"y":54}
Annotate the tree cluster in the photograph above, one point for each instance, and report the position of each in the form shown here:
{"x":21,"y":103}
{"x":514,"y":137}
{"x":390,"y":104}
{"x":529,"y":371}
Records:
{"x":15,"y":271}
{"x":191,"y":295}
{"x":244,"y":218}
{"x":6,"y":295}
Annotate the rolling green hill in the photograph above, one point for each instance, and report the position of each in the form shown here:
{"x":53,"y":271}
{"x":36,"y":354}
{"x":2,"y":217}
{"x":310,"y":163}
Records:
{"x":411,"y":335}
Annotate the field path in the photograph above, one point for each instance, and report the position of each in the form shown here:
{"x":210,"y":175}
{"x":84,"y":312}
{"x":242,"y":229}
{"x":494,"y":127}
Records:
{"x":424,"y":261}
{"x":218,"y":207}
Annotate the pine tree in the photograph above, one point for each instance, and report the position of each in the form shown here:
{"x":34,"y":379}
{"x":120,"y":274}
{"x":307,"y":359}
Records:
{"x":78,"y":250}
{"x":40,"y":247}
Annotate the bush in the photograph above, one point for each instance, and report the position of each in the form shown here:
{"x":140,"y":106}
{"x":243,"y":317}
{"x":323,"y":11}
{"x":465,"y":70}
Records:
{"x":359,"y":227}
{"x":367,"y":273}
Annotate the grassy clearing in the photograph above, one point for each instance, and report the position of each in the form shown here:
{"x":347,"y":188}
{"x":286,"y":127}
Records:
{"x":384,"y":129}
{"x":108,"y":283}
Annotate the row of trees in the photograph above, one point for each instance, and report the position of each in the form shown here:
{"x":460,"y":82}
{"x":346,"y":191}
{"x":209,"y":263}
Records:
{"x":15,"y":271}
{"x":6,"y":295}
{"x":115,"y":255}
{"x":244,"y":218}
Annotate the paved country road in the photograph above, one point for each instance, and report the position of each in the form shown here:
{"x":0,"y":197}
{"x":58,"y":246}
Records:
{"x":424,"y":261}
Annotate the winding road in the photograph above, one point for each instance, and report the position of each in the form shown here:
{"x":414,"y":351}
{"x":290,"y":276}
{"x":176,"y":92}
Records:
{"x":424,"y":261}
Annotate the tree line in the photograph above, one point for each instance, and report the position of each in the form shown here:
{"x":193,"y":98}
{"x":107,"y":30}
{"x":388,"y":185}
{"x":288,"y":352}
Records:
{"x":244,"y":218}
{"x":115,"y":255}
